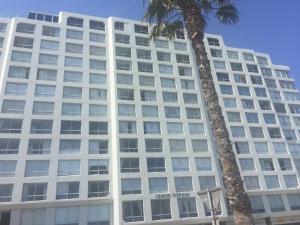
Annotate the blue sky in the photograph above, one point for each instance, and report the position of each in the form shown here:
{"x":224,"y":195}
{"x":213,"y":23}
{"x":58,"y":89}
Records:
{"x":269,"y":26}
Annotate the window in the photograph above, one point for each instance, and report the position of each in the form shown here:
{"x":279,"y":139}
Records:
{"x":161,"y":43}
{"x":98,"y":146}
{"x":272,"y":182}
{"x":46,"y":74}
{"x":226,"y":89}
{"x":72,"y":92}
{"x":143,"y":54}
{"x":279,"y":147}
{"x":128,"y":145}
{"x":180,"y":164}
{"x":252,"y":68}
{"x":33,"y":216}
{"x":119,"y":25}
{"x":248,"y":57}
{"x":9,"y":146}
{"x":291,"y":181}
{"x":37,"y":168}
{"x":146,"y":81}
{"x":172,"y":112}
{"x":71,"y":109}
{"x":127,"y":127}
{"x":247,"y":104}
{"x":237,"y":131}
{"x":196,"y":128}
{"x":153,"y":145}
{"x":6,"y":192}
{"x":266,"y":72}
{"x":68,"y":167}
{"x":187,"y":207}
{"x":203,"y":164}
{"x":177,"y":145}
{"x":271,"y":83}
{"x":39,"y":146}
{"x":257,"y":204}
{"x":73,"y":61}
{"x":213,"y":41}
{"x":256,"y":132}
{"x":289,"y":134}
{"x":180,"y":46}
{"x":23,"y":42}
{"x":15,"y":89}
{"x":158,"y":185}
{"x":251,"y":183}
{"x":126,"y":110}
{"x":98,"y":128}
{"x":207,"y":182}
{"x":247,"y":164}
{"x":261,"y":147}
{"x":269,"y":118}
{"x":219,"y":65}
{"x":99,"y":38}
{"x":236,"y":66}
{"x":97,"y":189}
{"x":199,"y":145}
{"x":34,"y":191}
{"x":190,"y":98}
{"x":266,"y":164}
{"x":3,"y":27}
{"x":174,"y":128}
{"x":233,"y":55}
{"x":260,"y":92}
{"x":130,"y":165}
{"x":183,"y":184}
{"x":244,"y":91}
{"x":156,"y":164}
{"x":13,"y":106}
{"x":96,"y":78}
{"x":98,"y":166}
{"x":240,"y":78}
{"x":182,"y":59}
{"x":256,"y":80}
{"x":149,"y":111}
{"x":145,"y":67}
{"x":193,"y":113}
{"x":19,"y":72}
{"x":163,"y":56}
{"x":229,"y":103}
{"x":51,"y":31}
{"x":170,"y":96}
{"x":122,"y":38}
{"x":131,"y":186}
{"x":7,"y":168}
{"x":76,"y":22}
{"x":148,"y":95}
{"x":72,"y":76}
{"x":282,"y":73}
{"x":69,"y":146}
{"x":25,"y":28}
{"x":98,"y":214}
{"x":284,"y":121}
{"x":97,"y":25}
{"x":287,"y":84}
{"x":263,"y":61}
{"x":142,"y":41}
{"x":152,"y":128}
{"x":41,"y":126}
{"x":140,"y":29}
{"x":223,"y":77}
{"x":123,"y":52}
{"x":70,"y":127}
{"x":67,"y":190}
{"x":291,"y":96}
{"x":252,"y":117}
{"x":274,"y":132}
{"x":49,"y":45}
{"x":12,"y":126}
{"x":97,"y":64}
{"x":97,"y":94}
{"x":185,"y":71}
{"x":294,"y":201}
{"x":67,"y":215}
{"x":264,"y":105}
{"x":124,"y":79}
{"x":74,"y":34}
{"x":234,"y":117}
{"x":18,"y":56}
{"x":123,"y":65}
{"x":187,"y":84}
{"x":74,"y":48}
{"x":216,"y":53}
{"x":285,"y":164}
{"x":242,"y":147}
{"x":276,"y":203}
{"x":167,"y":82}
{"x":295,"y":109}
{"x":97,"y":51}
{"x":160,"y":209}
{"x":132,"y":211}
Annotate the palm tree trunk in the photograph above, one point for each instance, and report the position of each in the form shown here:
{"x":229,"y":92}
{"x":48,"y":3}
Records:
{"x":235,"y":192}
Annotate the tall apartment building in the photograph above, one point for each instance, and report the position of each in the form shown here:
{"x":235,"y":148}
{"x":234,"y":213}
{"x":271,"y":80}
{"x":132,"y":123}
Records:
{"x":100,"y":126}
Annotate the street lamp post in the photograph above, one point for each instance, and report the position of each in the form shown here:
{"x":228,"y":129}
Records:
{"x":208,"y":193}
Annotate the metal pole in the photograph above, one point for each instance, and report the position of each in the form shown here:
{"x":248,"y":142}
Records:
{"x":212,"y":207}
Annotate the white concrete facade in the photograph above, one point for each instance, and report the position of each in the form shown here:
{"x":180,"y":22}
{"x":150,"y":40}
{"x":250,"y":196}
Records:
{"x":100,"y":126}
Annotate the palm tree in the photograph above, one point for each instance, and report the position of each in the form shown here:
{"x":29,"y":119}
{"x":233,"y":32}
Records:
{"x":171,"y":16}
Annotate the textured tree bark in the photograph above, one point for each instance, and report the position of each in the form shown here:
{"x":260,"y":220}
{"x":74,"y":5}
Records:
{"x":235,"y":192}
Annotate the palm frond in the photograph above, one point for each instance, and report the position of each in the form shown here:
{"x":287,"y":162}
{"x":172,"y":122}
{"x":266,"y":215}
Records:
{"x":227,"y":14}
{"x":166,"y":29}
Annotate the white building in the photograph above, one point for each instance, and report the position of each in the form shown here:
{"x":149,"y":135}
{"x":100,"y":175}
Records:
{"x":100,"y":126}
